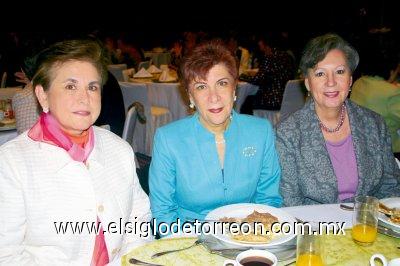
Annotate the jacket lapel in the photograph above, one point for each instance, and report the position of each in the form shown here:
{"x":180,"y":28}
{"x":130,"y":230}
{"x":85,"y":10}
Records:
{"x":232,"y":153}
{"x":361,"y":150}
{"x":205,"y":145}
{"x":316,"y":155}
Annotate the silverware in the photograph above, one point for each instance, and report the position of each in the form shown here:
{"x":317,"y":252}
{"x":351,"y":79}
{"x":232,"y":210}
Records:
{"x":382,"y":208}
{"x":346,"y":208}
{"x":388,"y":232}
{"x":198,"y":241}
{"x":139,"y":262}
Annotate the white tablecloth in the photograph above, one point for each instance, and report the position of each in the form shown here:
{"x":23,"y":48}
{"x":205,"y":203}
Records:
{"x":321,"y":213}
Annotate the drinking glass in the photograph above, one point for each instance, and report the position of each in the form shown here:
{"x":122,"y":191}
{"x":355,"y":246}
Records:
{"x":365,"y":220}
{"x":309,"y":249}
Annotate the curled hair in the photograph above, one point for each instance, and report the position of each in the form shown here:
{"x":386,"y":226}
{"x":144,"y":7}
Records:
{"x":85,"y":50}
{"x":317,"y":49}
{"x":203,"y":57}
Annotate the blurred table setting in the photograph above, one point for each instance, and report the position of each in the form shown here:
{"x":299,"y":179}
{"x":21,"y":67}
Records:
{"x":158,"y":56}
{"x":7,"y":121}
{"x":210,"y":250}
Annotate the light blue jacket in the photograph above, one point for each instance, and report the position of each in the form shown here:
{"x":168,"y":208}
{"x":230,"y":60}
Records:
{"x":186,"y":179}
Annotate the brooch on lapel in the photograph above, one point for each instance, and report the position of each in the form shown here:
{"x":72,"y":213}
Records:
{"x":249,"y":151}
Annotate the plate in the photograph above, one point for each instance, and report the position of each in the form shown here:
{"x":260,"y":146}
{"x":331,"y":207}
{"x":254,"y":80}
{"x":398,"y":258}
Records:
{"x":391,"y":203}
{"x":241,"y":210}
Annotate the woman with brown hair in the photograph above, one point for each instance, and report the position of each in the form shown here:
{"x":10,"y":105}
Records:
{"x":216,"y":156}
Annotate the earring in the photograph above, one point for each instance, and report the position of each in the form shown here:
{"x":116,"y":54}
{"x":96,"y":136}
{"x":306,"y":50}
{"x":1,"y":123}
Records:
{"x":308,"y":94}
{"x":46,"y":109}
{"x":191,"y":105}
{"x":234,"y":98}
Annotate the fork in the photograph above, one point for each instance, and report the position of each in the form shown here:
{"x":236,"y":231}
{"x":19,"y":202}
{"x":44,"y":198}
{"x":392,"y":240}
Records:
{"x":156,"y":255}
{"x":139,"y":262}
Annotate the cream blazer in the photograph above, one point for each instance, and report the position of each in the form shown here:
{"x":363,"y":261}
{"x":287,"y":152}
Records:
{"x":41,"y":186}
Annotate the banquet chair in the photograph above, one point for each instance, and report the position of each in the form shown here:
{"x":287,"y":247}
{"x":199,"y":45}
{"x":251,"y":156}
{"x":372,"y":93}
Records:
{"x":156,"y":116}
{"x":129,"y":125}
{"x":3,"y":80}
{"x":294,"y":97}
{"x":272,"y":115}
{"x":116,"y":70}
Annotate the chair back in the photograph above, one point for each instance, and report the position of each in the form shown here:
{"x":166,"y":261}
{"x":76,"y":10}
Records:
{"x":135,"y":92}
{"x":272,"y":115}
{"x":116,"y":70}
{"x":3,"y":80}
{"x":129,"y":125}
{"x":294,"y":97}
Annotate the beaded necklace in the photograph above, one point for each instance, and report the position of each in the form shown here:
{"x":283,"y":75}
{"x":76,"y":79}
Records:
{"x":340,"y":123}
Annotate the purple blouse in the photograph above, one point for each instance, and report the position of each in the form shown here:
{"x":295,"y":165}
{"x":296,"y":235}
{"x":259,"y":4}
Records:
{"x":344,"y":163}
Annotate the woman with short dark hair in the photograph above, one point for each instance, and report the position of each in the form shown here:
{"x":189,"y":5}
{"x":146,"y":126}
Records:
{"x":215,"y":157}
{"x":332,"y":150}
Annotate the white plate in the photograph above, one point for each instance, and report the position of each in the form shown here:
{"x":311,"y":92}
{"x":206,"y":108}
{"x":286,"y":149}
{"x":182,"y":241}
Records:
{"x":391,"y":203}
{"x":241,"y":210}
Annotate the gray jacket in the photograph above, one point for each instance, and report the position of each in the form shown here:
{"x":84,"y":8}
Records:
{"x":307,"y":173}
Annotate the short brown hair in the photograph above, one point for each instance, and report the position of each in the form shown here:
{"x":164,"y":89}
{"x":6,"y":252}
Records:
{"x":317,"y":48}
{"x":203,"y":57}
{"x":86,"y":50}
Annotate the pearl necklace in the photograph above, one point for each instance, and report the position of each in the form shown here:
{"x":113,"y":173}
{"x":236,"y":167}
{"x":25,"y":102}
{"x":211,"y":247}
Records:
{"x":340,"y":123}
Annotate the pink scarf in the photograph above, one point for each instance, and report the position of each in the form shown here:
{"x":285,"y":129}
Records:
{"x":47,"y":129}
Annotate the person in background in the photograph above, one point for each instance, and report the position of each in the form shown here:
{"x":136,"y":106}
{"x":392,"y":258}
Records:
{"x":374,"y":91}
{"x":332,"y":149}
{"x":216,"y":156}
{"x":112,"y":106}
{"x":176,"y":55}
{"x":131,"y":54}
{"x":241,"y":53}
{"x":276,"y":68}
{"x":64,"y":169}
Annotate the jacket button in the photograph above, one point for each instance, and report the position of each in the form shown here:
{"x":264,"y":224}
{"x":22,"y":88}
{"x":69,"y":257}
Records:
{"x":114,"y":251}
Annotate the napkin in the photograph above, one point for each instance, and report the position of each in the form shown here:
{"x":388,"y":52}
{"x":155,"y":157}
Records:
{"x":143,"y":73}
{"x":166,"y":76}
{"x":153,"y":69}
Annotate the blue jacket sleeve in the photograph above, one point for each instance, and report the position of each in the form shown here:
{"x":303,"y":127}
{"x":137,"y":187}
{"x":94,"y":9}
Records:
{"x":270,"y":175}
{"x":162,"y":178}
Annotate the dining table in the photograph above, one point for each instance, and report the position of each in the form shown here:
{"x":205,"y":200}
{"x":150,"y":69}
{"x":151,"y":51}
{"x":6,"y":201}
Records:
{"x":8,"y":132}
{"x":338,"y":249}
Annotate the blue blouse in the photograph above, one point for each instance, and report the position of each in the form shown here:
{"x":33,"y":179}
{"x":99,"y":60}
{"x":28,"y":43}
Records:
{"x":186,"y":180}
